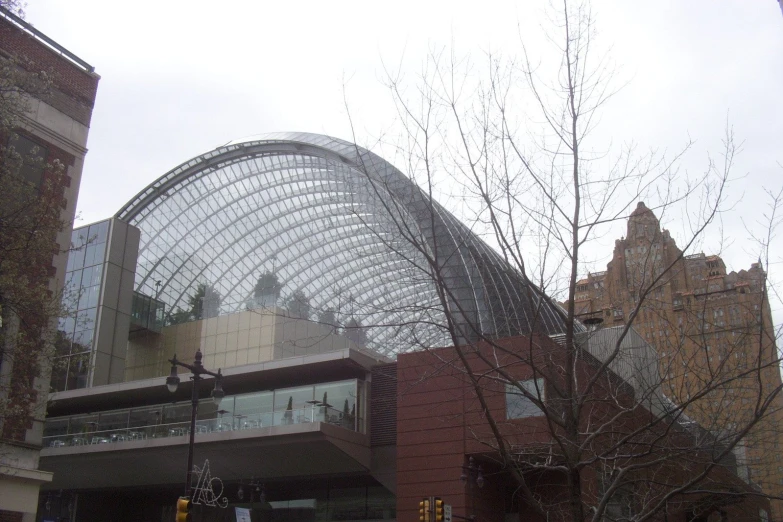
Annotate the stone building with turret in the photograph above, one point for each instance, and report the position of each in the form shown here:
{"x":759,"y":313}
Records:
{"x":712,"y":330}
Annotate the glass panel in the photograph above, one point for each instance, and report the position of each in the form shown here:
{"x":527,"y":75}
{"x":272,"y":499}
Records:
{"x":113,"y":421}
{"x":381,"y":504}
{"x":77,"y":255}
{"x":92,"y":275}
{"x":82,"y":341}
{"x":296,"y":397}
{"x":94,"y":254}
{"x":252,"y":410}
{"x":66,"y":325}
{"x":98,"y":232}
{"x":340,"y":398}
{"x":78,"y":371}
{"x":207,"y":409}
{"x":55,"y":427}
{"x":73,"y":279}
{"x":88,"y":297}
{"x":62,"y":343}
{"x":176,"y":413}
{"x":83,"y":424}
{"x":59,"y":373}
{"x":348,"y":504}
{"x":145,"y":417}
{"x":240,"y":412}
{"x":291,"y":405}
{"x":85,"y":319}
{"x":100,"y":252}
{"x":518,"y":405}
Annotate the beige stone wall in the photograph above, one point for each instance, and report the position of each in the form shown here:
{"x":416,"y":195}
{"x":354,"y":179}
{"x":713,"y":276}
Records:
{"x":229,"y":340}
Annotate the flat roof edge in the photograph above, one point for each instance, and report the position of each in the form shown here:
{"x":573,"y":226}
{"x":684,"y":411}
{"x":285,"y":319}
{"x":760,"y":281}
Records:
{"x":358,"y":357}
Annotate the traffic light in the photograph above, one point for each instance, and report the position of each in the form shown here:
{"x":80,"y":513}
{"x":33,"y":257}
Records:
{"x":439,"y":507}
{"x":424,"y":510}
{"x":183,"y":510}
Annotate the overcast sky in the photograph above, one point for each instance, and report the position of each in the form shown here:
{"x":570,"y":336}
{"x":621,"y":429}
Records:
{"x":179,"y":78}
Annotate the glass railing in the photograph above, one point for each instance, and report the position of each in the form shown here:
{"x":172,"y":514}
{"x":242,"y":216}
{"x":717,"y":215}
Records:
{"x":245,"y":421}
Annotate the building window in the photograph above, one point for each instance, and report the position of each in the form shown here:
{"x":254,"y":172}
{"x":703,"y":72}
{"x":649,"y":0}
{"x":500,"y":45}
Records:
{"x":519,"y":405}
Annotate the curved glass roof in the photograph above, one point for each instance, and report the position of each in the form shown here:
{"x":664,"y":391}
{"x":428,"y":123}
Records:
{"x":335,"y":222}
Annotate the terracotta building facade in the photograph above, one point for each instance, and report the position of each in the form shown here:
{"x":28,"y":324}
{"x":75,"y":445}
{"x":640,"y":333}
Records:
{"x":444,"y":436}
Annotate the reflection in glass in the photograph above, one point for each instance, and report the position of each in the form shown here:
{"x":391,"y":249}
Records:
{"x":150,"y":416}
{"x":239,"y":412}
{"x":78,"y":371}
{"x":323,"y":218}
{"x":113,"y":420}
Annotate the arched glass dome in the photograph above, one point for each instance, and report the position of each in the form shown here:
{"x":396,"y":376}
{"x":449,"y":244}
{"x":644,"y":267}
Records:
{"x":334,"y":223}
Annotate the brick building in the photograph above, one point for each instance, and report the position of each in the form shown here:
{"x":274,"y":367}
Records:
{"x":53,"y":128}
{"x":441,"y":423}
{"x":712,"y":331}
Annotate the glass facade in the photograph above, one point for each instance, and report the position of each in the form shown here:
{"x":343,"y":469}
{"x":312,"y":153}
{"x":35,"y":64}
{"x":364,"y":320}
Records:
{"x":329,"y":499}
{"x":340,"y":403}
{"x":147,"y":313}
{"x":76,"y":331}
{"x":329,"y":232}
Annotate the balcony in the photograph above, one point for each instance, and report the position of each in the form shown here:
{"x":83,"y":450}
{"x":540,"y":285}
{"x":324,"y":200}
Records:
{"x":269,"y":444}
{"x":274,"y":432}
{"x":248,"y":421}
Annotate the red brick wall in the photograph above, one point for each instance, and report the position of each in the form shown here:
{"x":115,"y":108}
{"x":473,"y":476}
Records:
{"x":70,"y":78}
{"x":74,"y":88}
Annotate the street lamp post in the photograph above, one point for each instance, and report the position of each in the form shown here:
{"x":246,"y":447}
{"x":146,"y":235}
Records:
{"x":472,"y":476}
{"x":172,"y":381}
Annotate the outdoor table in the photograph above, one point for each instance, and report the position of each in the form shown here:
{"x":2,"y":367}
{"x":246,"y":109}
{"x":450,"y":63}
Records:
{"x":239,"y":420}
{"x":251,"y":424}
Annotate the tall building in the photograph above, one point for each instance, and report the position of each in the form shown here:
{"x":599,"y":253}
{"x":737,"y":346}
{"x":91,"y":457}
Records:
{"x":52,"y":129}
{"x":712,"y":330}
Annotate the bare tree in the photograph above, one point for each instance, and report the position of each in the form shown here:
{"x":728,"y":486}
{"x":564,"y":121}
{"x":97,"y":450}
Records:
{"x":632,"y":434}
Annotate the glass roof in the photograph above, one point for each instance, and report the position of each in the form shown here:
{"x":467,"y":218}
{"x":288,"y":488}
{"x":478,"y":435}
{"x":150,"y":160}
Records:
{"x":335,"y":222}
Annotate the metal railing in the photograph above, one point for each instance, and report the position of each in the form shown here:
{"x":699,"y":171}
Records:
{"x":228,"y":422}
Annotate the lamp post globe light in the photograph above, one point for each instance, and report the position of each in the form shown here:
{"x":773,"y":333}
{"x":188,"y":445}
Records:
{"x":172,"y":382}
